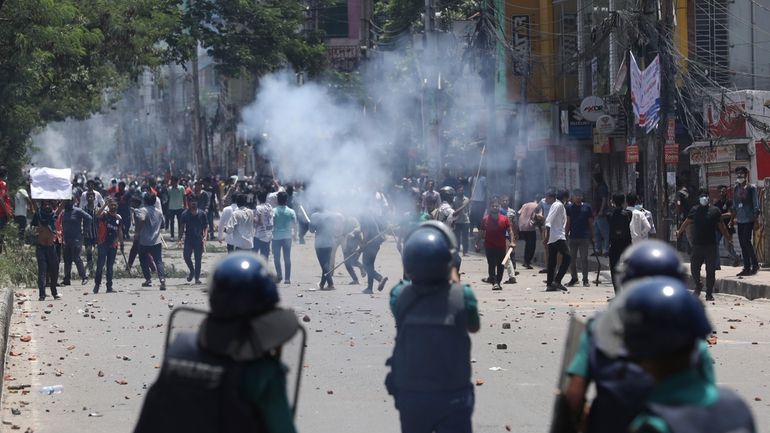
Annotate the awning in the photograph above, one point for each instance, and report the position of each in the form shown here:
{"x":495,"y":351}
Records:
{"x":717,"y":142}
{"x":715,"y":151}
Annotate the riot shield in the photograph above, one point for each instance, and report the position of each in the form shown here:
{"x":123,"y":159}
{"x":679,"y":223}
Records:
{"x":562,"y":420}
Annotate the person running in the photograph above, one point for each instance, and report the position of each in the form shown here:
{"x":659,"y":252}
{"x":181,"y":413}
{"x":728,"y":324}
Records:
{"x":109,"y":236}
{"x":323,"y":225}
{"x":373,"y":237}
{"x":494,"y":228}
{"x":284,"y":228}
{"x":149,"y":222}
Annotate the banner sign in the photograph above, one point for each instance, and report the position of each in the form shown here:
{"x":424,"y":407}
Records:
{"x":671,"y":154}
{"x":520,"y":44}
{"x":645,"y":93}
{"x":602,"y":143}
{"x":632,"y":154}
{"x":712,"y":154}
{"x":51,"y":183}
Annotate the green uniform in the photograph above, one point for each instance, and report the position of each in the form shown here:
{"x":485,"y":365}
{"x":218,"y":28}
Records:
{"x":471,"y":304}
{"x":579,"y":365}
{"x":689,"y":387}
{"x":264,"y":384}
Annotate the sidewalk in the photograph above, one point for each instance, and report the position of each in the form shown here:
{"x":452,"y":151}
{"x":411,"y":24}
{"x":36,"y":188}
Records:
{"x":751,"y":287}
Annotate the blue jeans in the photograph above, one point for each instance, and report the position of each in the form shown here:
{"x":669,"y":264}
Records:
{"x":439,"y":412}
{"x":261,"y":248}
{"x":282,"y":245}
{"x":602,"y":234}
{"x":369,"y":256}
{"x":106,"y":255}
{"x":154,"y":252}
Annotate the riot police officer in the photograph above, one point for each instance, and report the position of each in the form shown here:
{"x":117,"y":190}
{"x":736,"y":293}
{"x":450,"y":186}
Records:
{"x":430,"y":375}
{"x":621,"y":385}
{"x":662,"y":327}
{"x":227,"y":377}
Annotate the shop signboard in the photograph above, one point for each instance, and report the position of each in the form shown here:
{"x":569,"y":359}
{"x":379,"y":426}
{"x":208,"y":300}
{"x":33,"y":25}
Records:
{"x":602,"y":143}
{"x":712,"y":154}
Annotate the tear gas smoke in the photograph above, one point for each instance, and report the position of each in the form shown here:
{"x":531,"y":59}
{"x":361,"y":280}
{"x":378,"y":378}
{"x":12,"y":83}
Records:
{"x":78,"y":144}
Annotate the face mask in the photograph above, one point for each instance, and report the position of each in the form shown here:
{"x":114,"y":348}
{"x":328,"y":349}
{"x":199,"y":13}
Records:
{"x":638,"y":207}
{"x":703,"y":201}
{"x":741,"y":180}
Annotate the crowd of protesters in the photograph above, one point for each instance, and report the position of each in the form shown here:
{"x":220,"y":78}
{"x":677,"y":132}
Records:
{"x":267,"y":217}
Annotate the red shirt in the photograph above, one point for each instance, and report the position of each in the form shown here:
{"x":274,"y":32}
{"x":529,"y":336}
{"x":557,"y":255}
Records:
{"x":495,"y":234}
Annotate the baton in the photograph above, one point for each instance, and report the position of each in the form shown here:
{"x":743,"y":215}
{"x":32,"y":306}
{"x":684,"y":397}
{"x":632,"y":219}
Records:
{"x":304,"y":213}
{"x":125,"y":262}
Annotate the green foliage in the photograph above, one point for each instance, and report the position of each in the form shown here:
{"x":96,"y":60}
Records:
{"x":61,"y":58}
{"x":398,"y":16}
{"x":18,"y":266}
{"x":255,"y":37}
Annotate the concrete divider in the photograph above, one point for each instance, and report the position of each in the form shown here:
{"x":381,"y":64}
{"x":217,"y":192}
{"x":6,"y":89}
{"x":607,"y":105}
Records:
{"x":6,"y":311}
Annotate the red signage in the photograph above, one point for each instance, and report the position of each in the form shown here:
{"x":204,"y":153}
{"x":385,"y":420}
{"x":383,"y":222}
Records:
{"x":671,"y":131}
{"x":632,"y":154}
{"x":726,"y":120}
{"x":671,"y":154}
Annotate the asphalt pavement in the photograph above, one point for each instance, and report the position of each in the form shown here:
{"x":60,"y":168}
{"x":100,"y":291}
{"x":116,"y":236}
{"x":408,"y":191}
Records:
{"x":106,"y":349}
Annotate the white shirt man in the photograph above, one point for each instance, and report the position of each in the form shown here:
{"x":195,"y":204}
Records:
{"x":639,"y":226}
{"x":241,"y":226}
{"x":224,"y":218}
{"x":556,"y":221}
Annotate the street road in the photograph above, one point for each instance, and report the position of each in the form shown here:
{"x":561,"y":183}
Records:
{"x":106,"y":349}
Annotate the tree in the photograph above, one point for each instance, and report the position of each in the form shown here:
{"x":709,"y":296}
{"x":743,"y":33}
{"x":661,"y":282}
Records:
{"x":254,"y":37}
{"x":62,"y":58}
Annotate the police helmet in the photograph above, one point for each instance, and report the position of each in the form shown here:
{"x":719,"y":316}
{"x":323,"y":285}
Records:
{"x":447,"y":193}
{"x":429,"y":253}
{"x":242,"y":286}
{"x":649,"y":258}
{"x":660,"y":317}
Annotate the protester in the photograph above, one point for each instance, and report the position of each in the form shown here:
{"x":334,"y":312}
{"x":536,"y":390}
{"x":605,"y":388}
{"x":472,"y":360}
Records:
{"x":639,"y":226}
{"x":90,"y":189}
{"x":89,"y":229}
{"x":430,"y":198}
{"x":510,"y":237}
{"x":109,"y":236}
{"x":527,"y":231}
{"x":352,"y":247}
{"x":492,"y":233}
{"x":707,"y":220}
{"x":373,"y":237}
{"x":192,"y":233}
{"x":22,"y":205}
{"x":72,"y":221}
{"x":224,"y":220}
{"x":263,"y":224}
{"x":323,"y":223}
{"x":555,"y":240}
{"x":284,"y":228}
{"x":44,"y":220}
{"x":461,"y":215}
{"x":620,"y":233}
{"x":745,"y":212}
{"x":580,"y":232}
{"x":176,"y":194}
{"x":241,"y":225}
{"x":149,"y":222}
{"x":725,"y":206}
{"x":6,"y":211}
{"x":600,"y":204}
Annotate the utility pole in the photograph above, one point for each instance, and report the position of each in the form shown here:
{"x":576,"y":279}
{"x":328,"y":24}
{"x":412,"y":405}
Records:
{"x":200,"y":164}
{"x":667,"y":111}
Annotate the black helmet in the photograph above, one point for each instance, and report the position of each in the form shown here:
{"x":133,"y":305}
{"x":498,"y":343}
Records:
{"x":429,"y":252}
{"x":242,"y":286}
{"x":447,"y":193}
{"x":661,"y":316}
{"x":649,"y":258}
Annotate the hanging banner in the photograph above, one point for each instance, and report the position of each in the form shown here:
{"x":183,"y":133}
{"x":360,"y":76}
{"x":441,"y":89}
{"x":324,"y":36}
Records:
{"x":645,"y":93}
{"x":632,"y":154}
{"x":671,"y":154}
